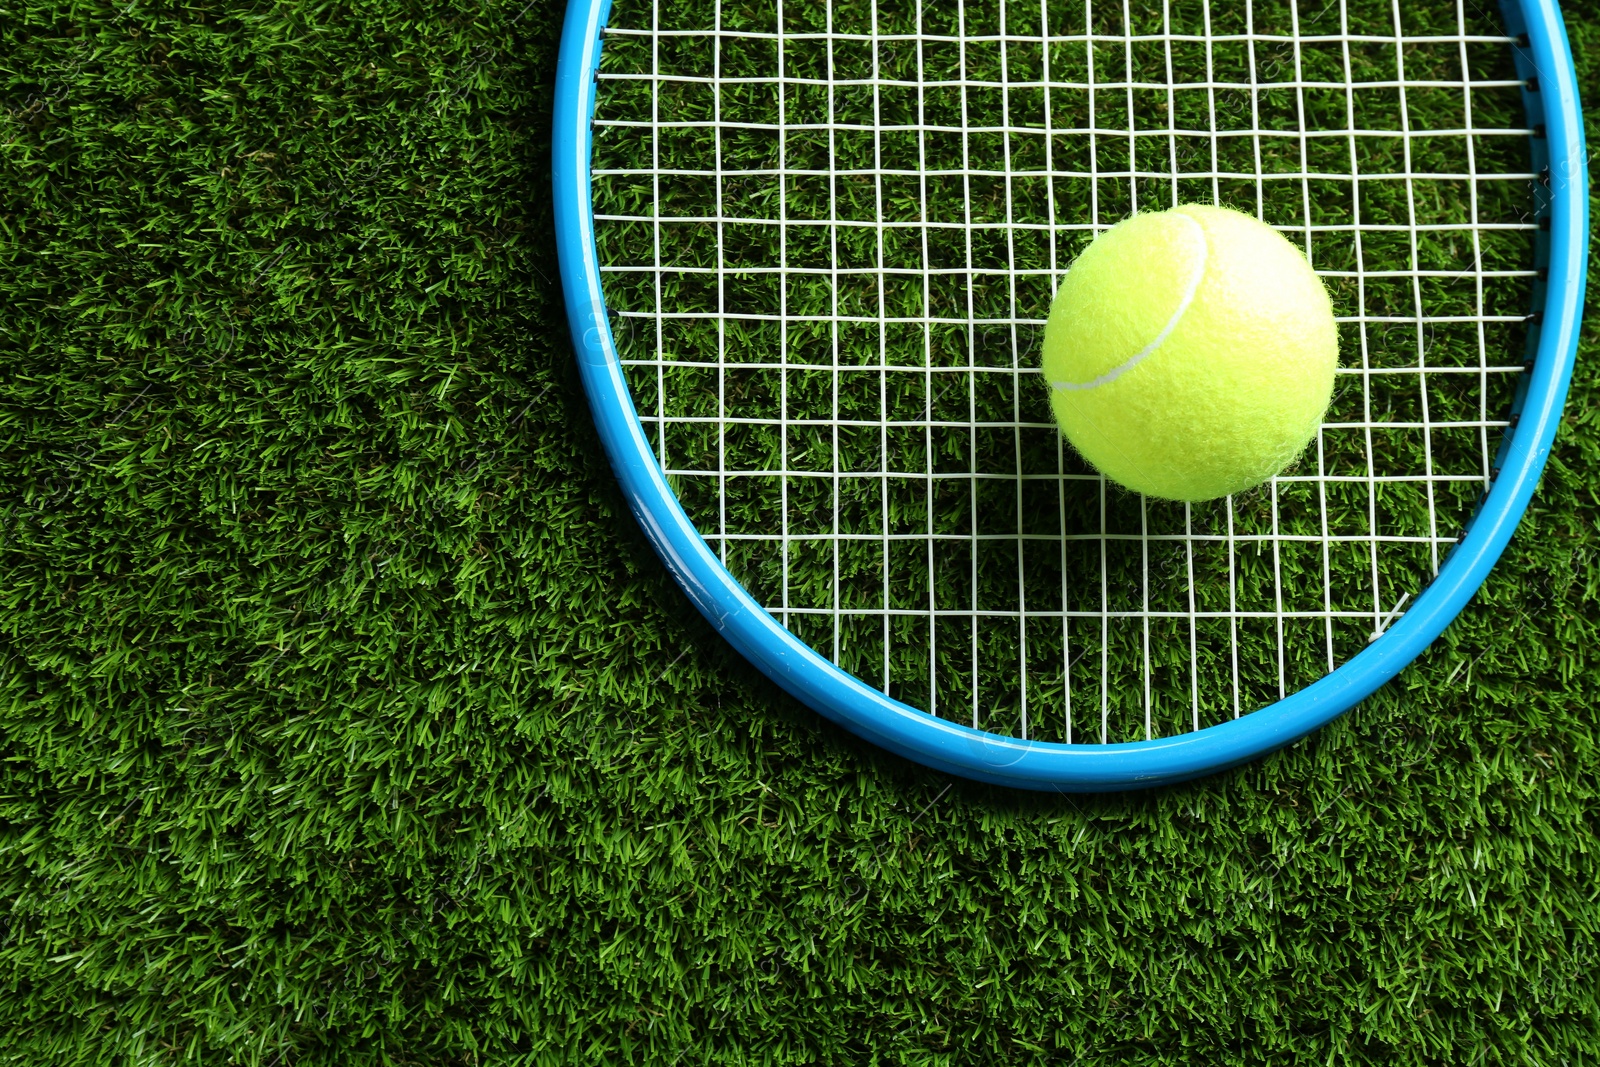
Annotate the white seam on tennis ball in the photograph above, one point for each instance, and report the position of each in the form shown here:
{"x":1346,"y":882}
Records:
{"x":1166,"y":331}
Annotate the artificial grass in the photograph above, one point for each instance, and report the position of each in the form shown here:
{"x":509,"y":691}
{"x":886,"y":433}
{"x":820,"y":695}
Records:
{"x":349,"y":719}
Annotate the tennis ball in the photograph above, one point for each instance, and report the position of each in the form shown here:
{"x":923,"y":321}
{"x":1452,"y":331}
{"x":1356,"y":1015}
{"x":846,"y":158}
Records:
{"x":1190,"y":353}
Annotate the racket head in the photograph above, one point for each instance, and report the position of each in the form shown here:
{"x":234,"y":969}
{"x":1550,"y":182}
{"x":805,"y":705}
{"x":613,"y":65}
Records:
{"x":1544,"y":62}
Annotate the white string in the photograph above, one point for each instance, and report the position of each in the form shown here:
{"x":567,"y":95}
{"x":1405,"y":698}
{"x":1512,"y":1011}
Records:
{"x":1011,"y":111}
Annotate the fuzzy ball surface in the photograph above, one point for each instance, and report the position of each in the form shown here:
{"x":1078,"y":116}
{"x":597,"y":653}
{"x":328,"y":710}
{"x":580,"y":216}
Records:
{"x":1190,"y":353}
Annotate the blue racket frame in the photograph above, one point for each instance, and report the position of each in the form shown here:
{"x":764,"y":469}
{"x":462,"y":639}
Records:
{"x":1550,"y":95}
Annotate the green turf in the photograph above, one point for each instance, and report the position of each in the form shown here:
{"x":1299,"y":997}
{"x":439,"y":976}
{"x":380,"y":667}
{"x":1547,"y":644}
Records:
{"x":350,"y":720}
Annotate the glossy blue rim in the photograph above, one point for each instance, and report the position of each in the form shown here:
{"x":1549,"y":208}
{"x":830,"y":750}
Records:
{"x":1551,"y":96}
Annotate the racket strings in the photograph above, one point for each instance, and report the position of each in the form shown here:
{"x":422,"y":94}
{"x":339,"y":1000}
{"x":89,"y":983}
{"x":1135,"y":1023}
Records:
{"x":830,"y":238}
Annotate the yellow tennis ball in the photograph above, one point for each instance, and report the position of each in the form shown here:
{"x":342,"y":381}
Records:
{"x":1190,"y":353}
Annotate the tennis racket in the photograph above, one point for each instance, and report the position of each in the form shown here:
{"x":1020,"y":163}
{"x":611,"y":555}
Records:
{"x":808,"y":249}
